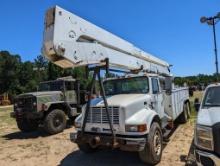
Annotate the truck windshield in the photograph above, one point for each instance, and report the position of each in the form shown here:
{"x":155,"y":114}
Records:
{"x":127,"y":86}
{"x":51,"y":86}
{"x":212,"y":97}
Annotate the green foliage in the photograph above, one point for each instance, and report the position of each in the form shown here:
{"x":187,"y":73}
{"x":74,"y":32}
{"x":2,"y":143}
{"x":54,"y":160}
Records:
{"x":19,"y":77}
{"x":200,"y":79}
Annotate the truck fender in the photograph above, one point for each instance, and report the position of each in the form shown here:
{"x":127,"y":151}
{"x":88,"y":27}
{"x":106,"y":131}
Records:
{"x":144,"y":116}
{"x":56,"y":105}
{"x":152,"y":117}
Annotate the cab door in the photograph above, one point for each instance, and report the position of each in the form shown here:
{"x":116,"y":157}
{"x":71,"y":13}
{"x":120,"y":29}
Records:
{"x":157,"y":99}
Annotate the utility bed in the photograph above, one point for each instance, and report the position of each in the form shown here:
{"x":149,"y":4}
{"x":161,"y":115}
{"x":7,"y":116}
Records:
{"x":174,"y":103}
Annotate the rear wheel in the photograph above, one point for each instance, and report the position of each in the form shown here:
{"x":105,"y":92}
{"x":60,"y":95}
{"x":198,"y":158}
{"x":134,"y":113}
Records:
{"x":153,"y":149}
{"x":55,"y":121}
{"x":188,"y":110}
{"x":27,"y":125}
{"x":184,"y":115}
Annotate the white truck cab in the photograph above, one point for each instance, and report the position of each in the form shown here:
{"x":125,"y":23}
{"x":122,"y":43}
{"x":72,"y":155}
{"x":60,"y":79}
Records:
{"x":207,"y":131}
{"x":140,"y":110}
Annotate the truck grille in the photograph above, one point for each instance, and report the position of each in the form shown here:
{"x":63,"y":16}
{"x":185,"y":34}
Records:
{"x":216,"y":136}
{"x":25,"y":102}
{"x":98,"y":115}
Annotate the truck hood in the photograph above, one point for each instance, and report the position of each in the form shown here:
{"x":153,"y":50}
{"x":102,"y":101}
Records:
{"x":43,"y":93}
{"x":209,"y":117}
{"x":119,"y":100}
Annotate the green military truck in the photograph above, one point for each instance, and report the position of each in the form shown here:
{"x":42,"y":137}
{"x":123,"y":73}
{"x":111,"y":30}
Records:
{"x":49,"y":106}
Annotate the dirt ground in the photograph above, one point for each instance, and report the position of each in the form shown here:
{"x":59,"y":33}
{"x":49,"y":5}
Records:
{"x":37,"y":148}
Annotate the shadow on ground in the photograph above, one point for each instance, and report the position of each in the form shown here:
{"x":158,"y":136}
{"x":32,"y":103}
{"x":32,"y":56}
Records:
{"x":30,"y":135}
{"x":190,"y":159}
{"x":22,"y":135}
{"x":102,"y":158}
{"x":106,"y":157}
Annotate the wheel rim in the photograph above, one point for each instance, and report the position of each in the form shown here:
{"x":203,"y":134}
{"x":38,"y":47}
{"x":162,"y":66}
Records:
{"x":57,"y":121}
{"x":157,"y":143}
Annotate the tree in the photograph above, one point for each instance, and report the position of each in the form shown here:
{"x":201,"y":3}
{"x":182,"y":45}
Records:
{"x":40,"y":68}
{"x":9,"y":72}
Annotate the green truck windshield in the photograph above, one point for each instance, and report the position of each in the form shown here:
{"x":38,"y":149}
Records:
{"x":127,"y":86}
{"x":212,"y":97}
{"x":51,"y":86}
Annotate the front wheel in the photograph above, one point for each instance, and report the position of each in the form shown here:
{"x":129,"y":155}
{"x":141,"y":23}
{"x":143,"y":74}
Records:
{"x":153,"y":149}
{"x":86,"y":148}
{"x":55,"y":121}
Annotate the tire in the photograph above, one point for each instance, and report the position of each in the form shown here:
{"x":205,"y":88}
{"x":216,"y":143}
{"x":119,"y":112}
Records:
{"x":184,"y":115}
{"x":153,"y":149}
{"x":55,"y":121}
{"x":188,"y":110}
{"x":26,"y":125}
{"x":86,"y":148}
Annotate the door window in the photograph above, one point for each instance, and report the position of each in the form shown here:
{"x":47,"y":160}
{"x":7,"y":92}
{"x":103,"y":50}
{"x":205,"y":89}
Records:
{"x":69,"y":85}
{"x":155,"y":86}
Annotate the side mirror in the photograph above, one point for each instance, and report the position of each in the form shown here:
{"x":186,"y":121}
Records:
{"x":197,"y":104}
{"x":168,"y":85}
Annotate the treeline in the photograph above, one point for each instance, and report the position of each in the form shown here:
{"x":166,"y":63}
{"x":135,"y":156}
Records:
{"x":198,"y":80}
{"x":18,"y":77}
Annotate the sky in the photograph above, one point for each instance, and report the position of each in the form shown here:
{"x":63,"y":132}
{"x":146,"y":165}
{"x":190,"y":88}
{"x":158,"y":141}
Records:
{"x":170,"y":30}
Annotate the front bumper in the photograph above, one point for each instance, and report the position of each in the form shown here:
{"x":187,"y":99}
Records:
{"x":21,"y":113}
{"x":206,"y":158}
{"x":124,"y":142}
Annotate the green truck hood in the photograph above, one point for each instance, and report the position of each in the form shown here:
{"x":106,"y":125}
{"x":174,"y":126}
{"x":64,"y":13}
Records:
{"x":43,"y":93}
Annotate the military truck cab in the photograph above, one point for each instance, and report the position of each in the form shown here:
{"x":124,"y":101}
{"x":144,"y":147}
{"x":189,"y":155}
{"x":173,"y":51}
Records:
{"x":50,"y":105}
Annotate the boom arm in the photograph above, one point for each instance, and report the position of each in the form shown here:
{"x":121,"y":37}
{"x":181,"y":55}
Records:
{"x":70,"y":41}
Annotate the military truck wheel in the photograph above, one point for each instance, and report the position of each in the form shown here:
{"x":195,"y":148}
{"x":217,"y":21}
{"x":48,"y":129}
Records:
{"x":55,"y":121}
{"x":153,"y":149}
{"x":86,"y":148}
{"x":26,"y":125}
{"x":184,"y":115}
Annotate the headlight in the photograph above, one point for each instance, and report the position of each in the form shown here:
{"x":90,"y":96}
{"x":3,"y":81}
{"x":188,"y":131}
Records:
{"x":136,"y":128}
{"x":204,"y":137}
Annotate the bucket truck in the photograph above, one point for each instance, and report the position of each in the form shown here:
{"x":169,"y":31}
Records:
{"x":135,"y":110}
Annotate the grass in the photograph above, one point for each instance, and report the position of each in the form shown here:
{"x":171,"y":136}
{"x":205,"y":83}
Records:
{"x":197,"y":94}
{"x":5,"y":118}
{"x":6,"y":108}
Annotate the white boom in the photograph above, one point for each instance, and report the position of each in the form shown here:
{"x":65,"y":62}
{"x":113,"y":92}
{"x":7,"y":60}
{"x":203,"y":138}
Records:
{"x":70,"y":41}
